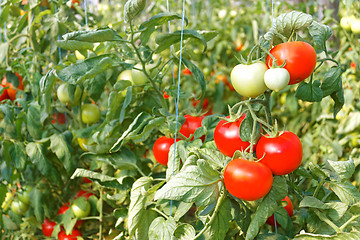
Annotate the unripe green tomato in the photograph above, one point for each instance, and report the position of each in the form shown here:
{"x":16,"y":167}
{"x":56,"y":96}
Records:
{"x":345,"y":22}
{"x":248,"y":80}
{"x":276,"y":78}
{"x":7,"y":202}
{"x":24,"y":195}
{"x":64,"y":97}
{"x":139,"y":77}
{"x":18,"y":207}
{"x":90,"y":113}
{"x":81,"y":213}
{"x":355,"y":25}
{"x":125,"y":75}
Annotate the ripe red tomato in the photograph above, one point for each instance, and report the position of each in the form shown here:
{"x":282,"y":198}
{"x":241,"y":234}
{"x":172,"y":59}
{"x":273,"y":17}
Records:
{"x":190,"y":125}
{"x":74,"y":234}
{"x":227,"y":137}
{"x":86,"y":180}
{"x":82,"y":193}
{"x":63,"y":209}
{"x":282,"y":154}
{"x":59,"y":118}
{"x":289,"y":208}
{"x":4,"y":94}
{"x":11,"y":91}
{"x":300,"y":59}
{"x":247,"y":180}
{"x":165,"y":95}
{"x":161,"y":149}
{"x":48,"y":227}
{"x":186,"y":71}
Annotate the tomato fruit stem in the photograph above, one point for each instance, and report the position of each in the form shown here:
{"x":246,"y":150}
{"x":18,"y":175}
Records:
{"x":157,"y":90}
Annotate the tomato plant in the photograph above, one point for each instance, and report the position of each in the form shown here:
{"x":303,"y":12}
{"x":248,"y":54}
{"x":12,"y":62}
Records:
{"x":300,"y":59}
{"x":247,"y":180}
{"x":282,"y":154}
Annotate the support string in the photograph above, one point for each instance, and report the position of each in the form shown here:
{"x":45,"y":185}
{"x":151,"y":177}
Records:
{"x":178,"y":87}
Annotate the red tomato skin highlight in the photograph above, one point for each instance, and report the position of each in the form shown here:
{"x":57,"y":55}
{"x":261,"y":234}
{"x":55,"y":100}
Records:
{"x":282,"y":154}
{"x":247,"y":180}
{"x":289,"y":209}
{"x":74,"y":234}
{"x":300,"y":59}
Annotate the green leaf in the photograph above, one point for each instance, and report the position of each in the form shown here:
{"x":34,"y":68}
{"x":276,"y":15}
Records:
{"x":339,"y":236}
{"x":332,"y":81}
{"x":287,"y":23}
{"x":246,"y":128}
{"x":47,"y":84}
{"x":174,"y":159}
{"x":148,"y":27}
{"x":73,"y":45}
{"x":93,"y":36}
{"x":114,"y":103}
{"x":312,"y":202}
{"x":33,"y":120}
{"x":138,"y":123}
{"x":147,"y":130}
{"x":88,"y":68}
{"x":267,"y":207}
{"x":132,"y":9}
{"x":3,"y":50}
{"x":197,"y":74}
{"x":337,"y":211}
{"x":339,"y":100}
{"x":4,"y":14}
{"x":317,"y":171}
{"x":138,"y":201}
{"x":215,"y":158}
{"x":126,"y":103}
{"x":3,"y":191}
{"x":104,"y":180}
{"x":320,"y":34}
{"x":160,"y":19}
{"x":162,"y":229}
{"x":95,"y":86}
{"x":218,"y":228}
{"x":197,"y":184}
{"x":310,"y":92}
{"x":18,"y":155}
{"x":36,"y":154}
{"x":344,"y":169}
{"x":165,"y":40}
{"x":346,"y":192}
{"x":36,"y":202}
{"x":184,"y":231}
{"x":60,"y":147}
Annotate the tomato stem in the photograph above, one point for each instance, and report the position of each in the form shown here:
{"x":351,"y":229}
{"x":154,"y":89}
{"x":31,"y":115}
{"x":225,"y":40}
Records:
{"x":157,"y":90}
{"x":212,"y":218}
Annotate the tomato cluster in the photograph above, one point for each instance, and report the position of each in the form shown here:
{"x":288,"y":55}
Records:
{"x":79,"y":211}
{"x":350,"y":23}
{"x":299,"y":59}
